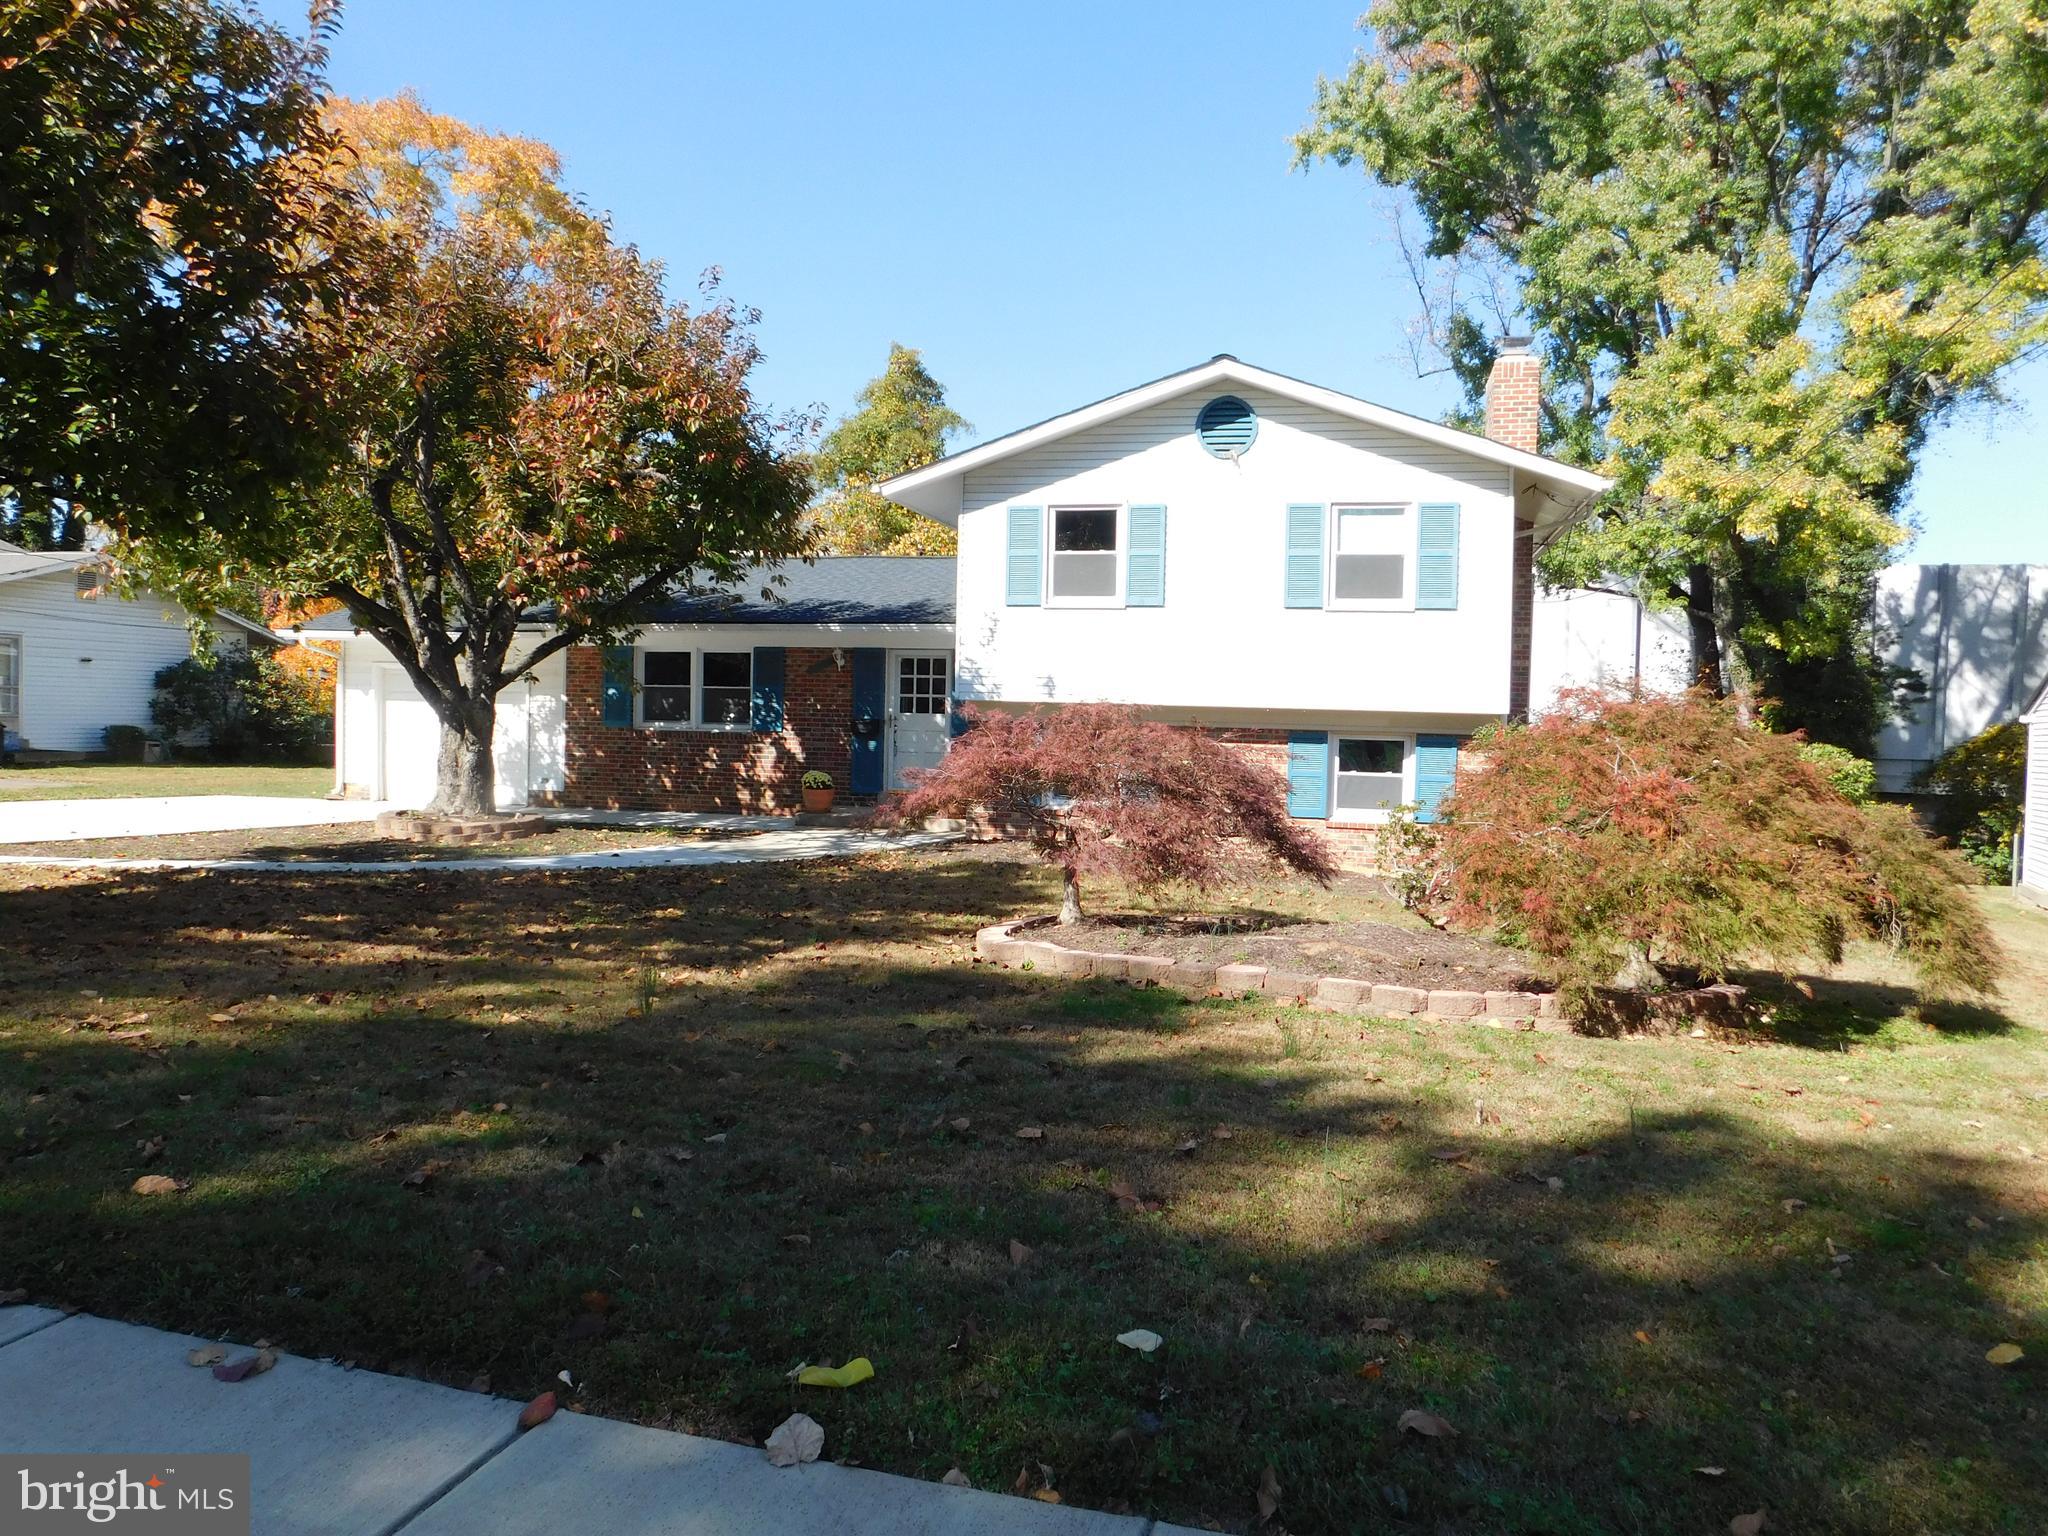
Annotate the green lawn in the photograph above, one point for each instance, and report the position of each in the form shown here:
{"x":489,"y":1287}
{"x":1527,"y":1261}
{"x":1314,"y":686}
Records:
{"x":106,"y":781}
{"x":681,"y":1131}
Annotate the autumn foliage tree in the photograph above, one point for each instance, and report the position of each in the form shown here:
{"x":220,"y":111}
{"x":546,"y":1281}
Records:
{"x":901,"y":424}
{"x":1099,"y":789}
{"x":536,"y":435}
{"x":1634,"y":838}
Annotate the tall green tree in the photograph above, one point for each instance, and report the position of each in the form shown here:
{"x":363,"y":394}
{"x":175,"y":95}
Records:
{"x":1766,"y":248}
{"x":535,"y":433}
{"x":902,"y":424}
{"x":171,"y":239}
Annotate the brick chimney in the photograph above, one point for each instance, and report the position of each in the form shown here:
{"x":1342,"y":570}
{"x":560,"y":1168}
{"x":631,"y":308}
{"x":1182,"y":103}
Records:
{"x":1514,"y":408}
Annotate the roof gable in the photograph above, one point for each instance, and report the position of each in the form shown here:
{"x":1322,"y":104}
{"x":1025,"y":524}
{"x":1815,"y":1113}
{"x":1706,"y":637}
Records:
{"x":935,"y":490}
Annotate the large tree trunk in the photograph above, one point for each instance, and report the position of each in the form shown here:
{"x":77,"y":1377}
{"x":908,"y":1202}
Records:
{"x":1700,"y":626}
{"x":466,"y":782}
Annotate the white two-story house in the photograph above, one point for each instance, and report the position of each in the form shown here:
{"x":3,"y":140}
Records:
{"x":1339,"y":587}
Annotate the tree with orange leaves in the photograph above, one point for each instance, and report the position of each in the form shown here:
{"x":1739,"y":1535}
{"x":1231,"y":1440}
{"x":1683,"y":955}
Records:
{"x":538,"y":440}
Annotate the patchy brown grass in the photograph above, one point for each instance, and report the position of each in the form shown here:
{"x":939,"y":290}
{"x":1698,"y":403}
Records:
{"x":101,"y":781}
{"x":727,"y":1099}
{"x":358,"y":842}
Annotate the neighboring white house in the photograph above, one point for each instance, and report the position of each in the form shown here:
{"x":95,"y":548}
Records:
{"x":75,"y":659}
{"x":2030,"y":873}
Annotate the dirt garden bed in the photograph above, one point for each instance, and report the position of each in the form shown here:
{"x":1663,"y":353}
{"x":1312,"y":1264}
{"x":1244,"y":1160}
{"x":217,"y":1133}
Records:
{"x":1408,"y":957}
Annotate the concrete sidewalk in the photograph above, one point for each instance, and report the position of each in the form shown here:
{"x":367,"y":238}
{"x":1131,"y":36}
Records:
{"x":52,"y":821}
{"x":759,"y":848}
{"x":353,"y":1453}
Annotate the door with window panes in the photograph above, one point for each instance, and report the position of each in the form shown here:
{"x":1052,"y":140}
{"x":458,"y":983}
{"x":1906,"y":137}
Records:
{"x":920,"y":711}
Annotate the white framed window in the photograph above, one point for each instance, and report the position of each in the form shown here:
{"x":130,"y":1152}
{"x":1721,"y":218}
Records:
{"x":1086,"y":569}
{"x":700,"y":690}
{"x":10,"y":677}
{"x":1372,"y":556}
{"x":921,"y":685}
{"x":1368,"y":776}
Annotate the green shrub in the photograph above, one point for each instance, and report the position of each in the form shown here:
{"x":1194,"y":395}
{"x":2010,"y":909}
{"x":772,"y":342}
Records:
{"x":1979,"y":786}
{"x":243,"y":706}
{"x":1854,"y":778}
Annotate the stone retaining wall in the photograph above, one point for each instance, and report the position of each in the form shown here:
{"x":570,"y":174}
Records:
{"x":1002,"y":945}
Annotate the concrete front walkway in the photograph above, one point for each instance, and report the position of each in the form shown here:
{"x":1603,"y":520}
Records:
{"x":50,"y":821}
{"x":765,"y":848}
{"x":335,"y":1452}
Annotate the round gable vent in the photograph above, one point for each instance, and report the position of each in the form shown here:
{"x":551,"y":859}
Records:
{"x":1226,"y":426}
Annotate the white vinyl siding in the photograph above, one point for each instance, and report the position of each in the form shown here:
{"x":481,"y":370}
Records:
{"x":2034,"y":813}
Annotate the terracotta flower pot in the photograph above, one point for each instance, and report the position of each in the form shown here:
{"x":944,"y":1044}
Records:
{"x":816,"y":800}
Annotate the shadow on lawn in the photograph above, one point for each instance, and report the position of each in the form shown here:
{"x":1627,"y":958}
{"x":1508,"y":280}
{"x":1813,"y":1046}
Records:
{"x":1840,"y":1011}
{"x":1594,"y":1342}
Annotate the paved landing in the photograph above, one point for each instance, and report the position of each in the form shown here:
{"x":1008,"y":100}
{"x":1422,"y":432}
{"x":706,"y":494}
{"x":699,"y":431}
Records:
{"x":354,"y":1453}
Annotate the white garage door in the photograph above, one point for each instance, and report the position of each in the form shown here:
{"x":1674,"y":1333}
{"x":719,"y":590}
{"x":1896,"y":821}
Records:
{"x":412,"y":744}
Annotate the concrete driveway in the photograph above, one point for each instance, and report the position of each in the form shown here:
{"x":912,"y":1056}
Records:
{"x":49,"y":821}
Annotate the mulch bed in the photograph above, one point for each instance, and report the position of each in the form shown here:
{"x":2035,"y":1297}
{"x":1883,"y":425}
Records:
{"x":1380,"y":952}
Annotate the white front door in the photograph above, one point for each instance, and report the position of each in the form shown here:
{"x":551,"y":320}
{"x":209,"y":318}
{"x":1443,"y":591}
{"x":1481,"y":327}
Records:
{"x":920,"y":705}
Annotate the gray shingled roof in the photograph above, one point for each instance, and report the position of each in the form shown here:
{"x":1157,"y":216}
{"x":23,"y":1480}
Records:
{"x":837,"y":589}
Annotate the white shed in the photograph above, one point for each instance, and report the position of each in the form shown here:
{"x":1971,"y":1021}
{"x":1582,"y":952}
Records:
{"x":2032,"y":870}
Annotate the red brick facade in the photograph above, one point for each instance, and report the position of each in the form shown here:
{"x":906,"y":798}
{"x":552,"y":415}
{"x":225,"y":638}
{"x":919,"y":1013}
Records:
{"x":1355,"y":847}
{"x":1514,"y":415}
{"x":638,"y":768}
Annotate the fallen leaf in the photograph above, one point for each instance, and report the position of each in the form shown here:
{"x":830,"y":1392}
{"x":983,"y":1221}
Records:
{"x":1793,"y":1207}
{"x":1028,"y":1133}
{"x":797,"y":1439}
{"x":206,"y":1354}
{"x":1370,"y":1371}
{"x":851,"y":1374}
{"x":1019,"y":1254}
{"x":1711,"y":1471}
{"x":1450,"y":1154}
{"x":2005,"y":1354}
{"x":1143,"y":1340}
{"x":1045,"y":1496}
{"x":157,"y":1184}
{"x":956,"y":1479}
{"x":538,"y":1412}
{"x":1420,"y":1421}
{"x":1187,"y":1146}
{"x":1747,"y":1525}
{"x":1222,"y":1133}
{"x":961,"y":1124}
{"x":1642,"y":1337}
{"x":1269,"y":1493}
{"x":422,"y":1176}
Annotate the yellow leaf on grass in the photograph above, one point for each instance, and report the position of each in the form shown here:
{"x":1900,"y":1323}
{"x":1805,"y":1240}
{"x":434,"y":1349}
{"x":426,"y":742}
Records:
{"x":851,"y":1374}
{"x":2005,"y":1354}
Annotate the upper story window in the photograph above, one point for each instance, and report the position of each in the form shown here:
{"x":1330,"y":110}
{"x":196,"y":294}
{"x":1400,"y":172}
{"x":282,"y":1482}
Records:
{"x":700,"y":688}
{"x":1087,"y":557}
{"x":1372,"y":557}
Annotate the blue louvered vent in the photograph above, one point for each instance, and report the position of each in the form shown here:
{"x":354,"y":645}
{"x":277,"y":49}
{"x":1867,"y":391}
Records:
{"x":1226,"y":426}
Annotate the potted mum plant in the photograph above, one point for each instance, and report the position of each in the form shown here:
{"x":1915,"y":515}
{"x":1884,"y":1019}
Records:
{"x":818,"y":790}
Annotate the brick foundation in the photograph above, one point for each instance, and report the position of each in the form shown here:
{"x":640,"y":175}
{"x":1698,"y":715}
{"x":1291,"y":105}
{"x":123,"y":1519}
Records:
{"x":636,"y":768}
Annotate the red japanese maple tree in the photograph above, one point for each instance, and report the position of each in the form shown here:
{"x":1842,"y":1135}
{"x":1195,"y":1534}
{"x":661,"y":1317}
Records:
{"x":1101,"y":789}
{"x":1630,"y":837}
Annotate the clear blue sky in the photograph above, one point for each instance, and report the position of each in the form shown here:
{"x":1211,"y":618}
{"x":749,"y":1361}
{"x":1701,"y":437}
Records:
{"x":1053,"y":201}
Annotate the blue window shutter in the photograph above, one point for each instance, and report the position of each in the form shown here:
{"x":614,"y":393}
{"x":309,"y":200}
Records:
{"x":1024,"y":553}
{"x":1436,"y":556}
{"x":1308,"y":773}
{"x":1145,"y":572}
{"x":870,"y":701}
{"x":768,"y":676}
{"x":618,"y":685}
{"x":1305,"y":556}
{"x":1436,"y":770}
